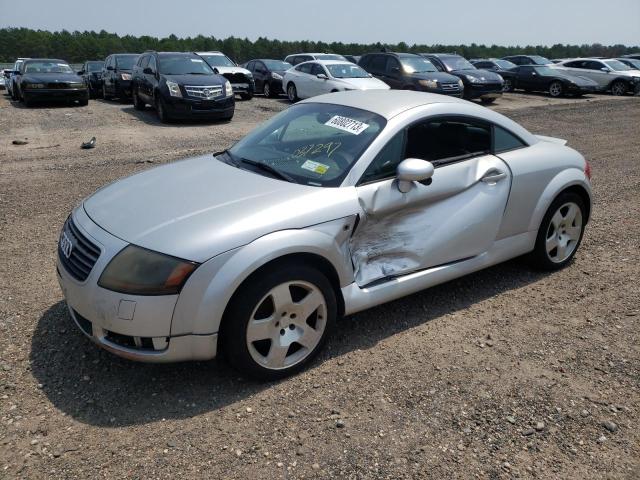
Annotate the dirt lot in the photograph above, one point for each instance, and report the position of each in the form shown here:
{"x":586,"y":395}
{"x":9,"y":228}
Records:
{"x":507,"y":373}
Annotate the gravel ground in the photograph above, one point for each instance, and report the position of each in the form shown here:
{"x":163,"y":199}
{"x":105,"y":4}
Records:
{"x":506,"y":373}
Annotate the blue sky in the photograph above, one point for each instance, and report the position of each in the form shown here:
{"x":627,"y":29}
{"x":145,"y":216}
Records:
{"x":513,"y":22}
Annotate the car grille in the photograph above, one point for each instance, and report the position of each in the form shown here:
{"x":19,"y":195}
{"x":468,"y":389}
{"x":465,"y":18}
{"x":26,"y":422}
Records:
{"x":83,"y":254}
{"x":203,"y":92}
{"x":236,"y":77}
{"x":55,"y":85}
{"x":450,"y":87}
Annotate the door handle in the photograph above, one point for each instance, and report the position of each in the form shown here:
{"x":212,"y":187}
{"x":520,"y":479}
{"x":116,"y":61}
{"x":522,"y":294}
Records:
{"x":493,"y":176}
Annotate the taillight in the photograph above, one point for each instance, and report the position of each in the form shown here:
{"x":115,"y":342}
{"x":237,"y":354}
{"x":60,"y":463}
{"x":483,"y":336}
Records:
{"x":587,"y":169}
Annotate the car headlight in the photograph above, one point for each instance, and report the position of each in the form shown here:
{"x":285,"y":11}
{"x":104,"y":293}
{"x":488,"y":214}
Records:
{"x":33,"y":85}
{"x":276,"y":76}
{"x":125,"y":76}
{"x":174,"y":89}
{"x":138,"y":271}
{"x":428,"y":83}
{"x":228,"y":89}
{"x":472,"y":79}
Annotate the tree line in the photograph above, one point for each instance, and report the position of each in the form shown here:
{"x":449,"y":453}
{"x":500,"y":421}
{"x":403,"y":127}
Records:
{"x":77,"y":46}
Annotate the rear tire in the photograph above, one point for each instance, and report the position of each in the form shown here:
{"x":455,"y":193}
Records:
{"x":560,"y":233}
{"x":84,"y":102}
{"x":289,"y":310}
{"x":292,"y":92}
{"x":507,"y":87}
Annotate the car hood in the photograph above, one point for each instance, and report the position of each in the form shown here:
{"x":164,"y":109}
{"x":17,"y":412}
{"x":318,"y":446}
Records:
{"x":51,"y":77}
{"x":482,"y":75}
{"x":223,"y":70}
{"x":201,"y":80}
{"x":200,"y":207}
{"x":362,"y":83}
{"x":441,"y":77}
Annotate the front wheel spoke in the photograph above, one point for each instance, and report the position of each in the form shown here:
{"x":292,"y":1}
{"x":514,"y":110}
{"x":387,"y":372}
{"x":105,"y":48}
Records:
{"x":259,"y":330}
{"x":556,"y":220}
{"x":552,"y":243}
{"x":309,"y":338}
{"x":281,"y":296}
{"x":571,"y":214}
{"x":277,"y":354}
{"x":562,"y":252}
{"x":574,"y":233}
{"x":310,"y":304}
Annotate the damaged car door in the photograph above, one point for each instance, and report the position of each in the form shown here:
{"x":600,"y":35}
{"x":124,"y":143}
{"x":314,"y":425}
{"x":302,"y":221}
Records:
{"x":451,"y":216}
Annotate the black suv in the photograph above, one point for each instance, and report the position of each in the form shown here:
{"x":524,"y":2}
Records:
{"x":405,"y":71}
{"x":482,"y":84}
{"x":181,"y":85}
{"x":268,"y":75}
{"x":116,"y":75}
{"x":91,"y":73}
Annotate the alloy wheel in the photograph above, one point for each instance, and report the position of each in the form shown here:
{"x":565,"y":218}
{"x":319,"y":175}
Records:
{"x":555,"y":90}
{"x":287,"y":325}
{"x":563,"y":233}
{"x":618,"y":88}
{"x":506,"y":87}
{"x":266,"y":89}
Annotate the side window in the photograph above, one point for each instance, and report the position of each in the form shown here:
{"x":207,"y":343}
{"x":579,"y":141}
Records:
{"x":595,"y":65}
{"x":152,"y":63}
{"x":317,"y":69}
{"x":504,"y":140}
{"x":393,"y":66}
{"x":143,"y":62}
{"x":385,"y":164}
{"x":378,"y":63}
{"x":364,"y":62}
{"x":445,"y":140}
{"x":526,"y":70}
{"x":305,"y":68}
{"x":251,"y":65}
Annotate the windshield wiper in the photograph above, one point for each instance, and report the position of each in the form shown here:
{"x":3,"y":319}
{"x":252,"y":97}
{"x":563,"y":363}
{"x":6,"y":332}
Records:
{"x":269,"y":169}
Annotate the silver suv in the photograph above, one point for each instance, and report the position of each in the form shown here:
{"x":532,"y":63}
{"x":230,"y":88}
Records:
{"x":610,"y":75}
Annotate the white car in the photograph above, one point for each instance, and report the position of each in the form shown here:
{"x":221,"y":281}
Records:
{"x":610,"y":75}
{"x":240,"y":78}
{"x":297,"y":58}
{"x":317,"y":77}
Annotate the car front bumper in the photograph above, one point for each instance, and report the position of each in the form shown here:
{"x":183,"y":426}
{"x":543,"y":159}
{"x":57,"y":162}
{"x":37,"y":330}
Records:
{"x":482,"y":90}
{"x":187,"y":107}
{"x":123,"y":88}
{"x":136,"y":327}
{"x":44,"y":94}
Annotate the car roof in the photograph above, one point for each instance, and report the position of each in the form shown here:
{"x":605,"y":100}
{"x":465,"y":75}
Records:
{"x":44,"y":60}
{"x":214,"y":52}
{"x":313,"y":53}
{"x":126,"y":54}
{"x":386,"y":103}
{"x":328,"y":62}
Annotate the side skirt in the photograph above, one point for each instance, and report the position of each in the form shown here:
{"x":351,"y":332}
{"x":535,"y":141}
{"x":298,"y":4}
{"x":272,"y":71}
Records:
{"x":357,"y":299}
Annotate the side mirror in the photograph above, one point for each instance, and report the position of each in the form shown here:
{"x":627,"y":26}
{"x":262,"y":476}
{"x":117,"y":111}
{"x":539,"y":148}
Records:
{"x":413,"y":170}
{"x":110,"y":67}
{"x":322,"y":76}
{"x":147,"y":71}
{"x":605,"y":69}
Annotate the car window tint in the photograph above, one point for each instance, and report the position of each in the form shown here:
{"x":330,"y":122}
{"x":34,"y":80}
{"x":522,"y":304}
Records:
{"x":386,"y":162}
{"x":441,"y":141}
{"x":504,"y":140}
{"x":316,"y":69}
{"x":305,"y":68}
{"x":595,"y":65}
{"x":393,"y":65}
{"x":378,"y":63}
{"x":144,"y":61}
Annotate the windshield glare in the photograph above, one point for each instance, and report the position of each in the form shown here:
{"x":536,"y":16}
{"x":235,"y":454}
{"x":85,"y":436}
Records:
{"x":277,"y":65}
{"x":346,"y":71}
{"x":181,"y":65}
{"x":506,"y":64}
{"x":634,"y":63}
{"x":314,"y":144}
{"x":538,"y":60}
{"x":126,"y":62}
{"x":617,"y":66}
{"x":47,"y":67}
{"x":456,"y":63}
{"x":545,"y":71}
{"x":417,"y":65}
{"x":218,"y":60}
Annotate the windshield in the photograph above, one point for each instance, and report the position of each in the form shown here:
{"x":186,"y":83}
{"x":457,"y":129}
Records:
{"x":417,"y":65}
{"x":125,"y":62}
{"x":342,"y":70}
{"x":456,"y":63}
{"x":617,"y":66}
{"x":183,"y":65}
{"x":506,"y":64}
{"x":95,"y":66}
{"x":538,"y":60}
{"x":329,"y":56}
{"x":635,"y":64}
{"x":312,"y":143}
{"x":277,"y":65}
{"x":218,"y":60}
{"x":47,"y":67}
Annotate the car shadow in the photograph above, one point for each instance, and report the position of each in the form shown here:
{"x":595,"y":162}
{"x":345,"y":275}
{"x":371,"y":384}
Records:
{"x":45,"y":104}
{"x":98,"y":388}
{"x":148,"y":116}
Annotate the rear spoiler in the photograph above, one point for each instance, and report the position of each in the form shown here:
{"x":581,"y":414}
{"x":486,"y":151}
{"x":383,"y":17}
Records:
{"x":544,"y":138}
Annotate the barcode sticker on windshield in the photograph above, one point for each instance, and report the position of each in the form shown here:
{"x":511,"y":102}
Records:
{"x":315,"y":167}
{"x":347,"y":124}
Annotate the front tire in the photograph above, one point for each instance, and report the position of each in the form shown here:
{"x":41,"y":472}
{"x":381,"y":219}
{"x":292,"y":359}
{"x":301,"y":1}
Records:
{"x":619,"y":88}
{"x":137,"y":103}
{"x":292,"y":92}
{"x":266,"y":89}
{"x":560,"y":232}
{"x":161,"y":110}
{"x":507,"y":87}
{"x":487,"y":101}
{"x":278,"y":321}
{"x":104,"y":93}
{"x":556,"y":89}
{"x":246,"y":96}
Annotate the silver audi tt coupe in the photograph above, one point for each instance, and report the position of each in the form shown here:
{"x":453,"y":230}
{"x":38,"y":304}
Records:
{"x":337,"y":204}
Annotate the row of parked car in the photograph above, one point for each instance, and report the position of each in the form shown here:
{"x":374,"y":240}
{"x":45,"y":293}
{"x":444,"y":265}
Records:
{"x":204,"y":84}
